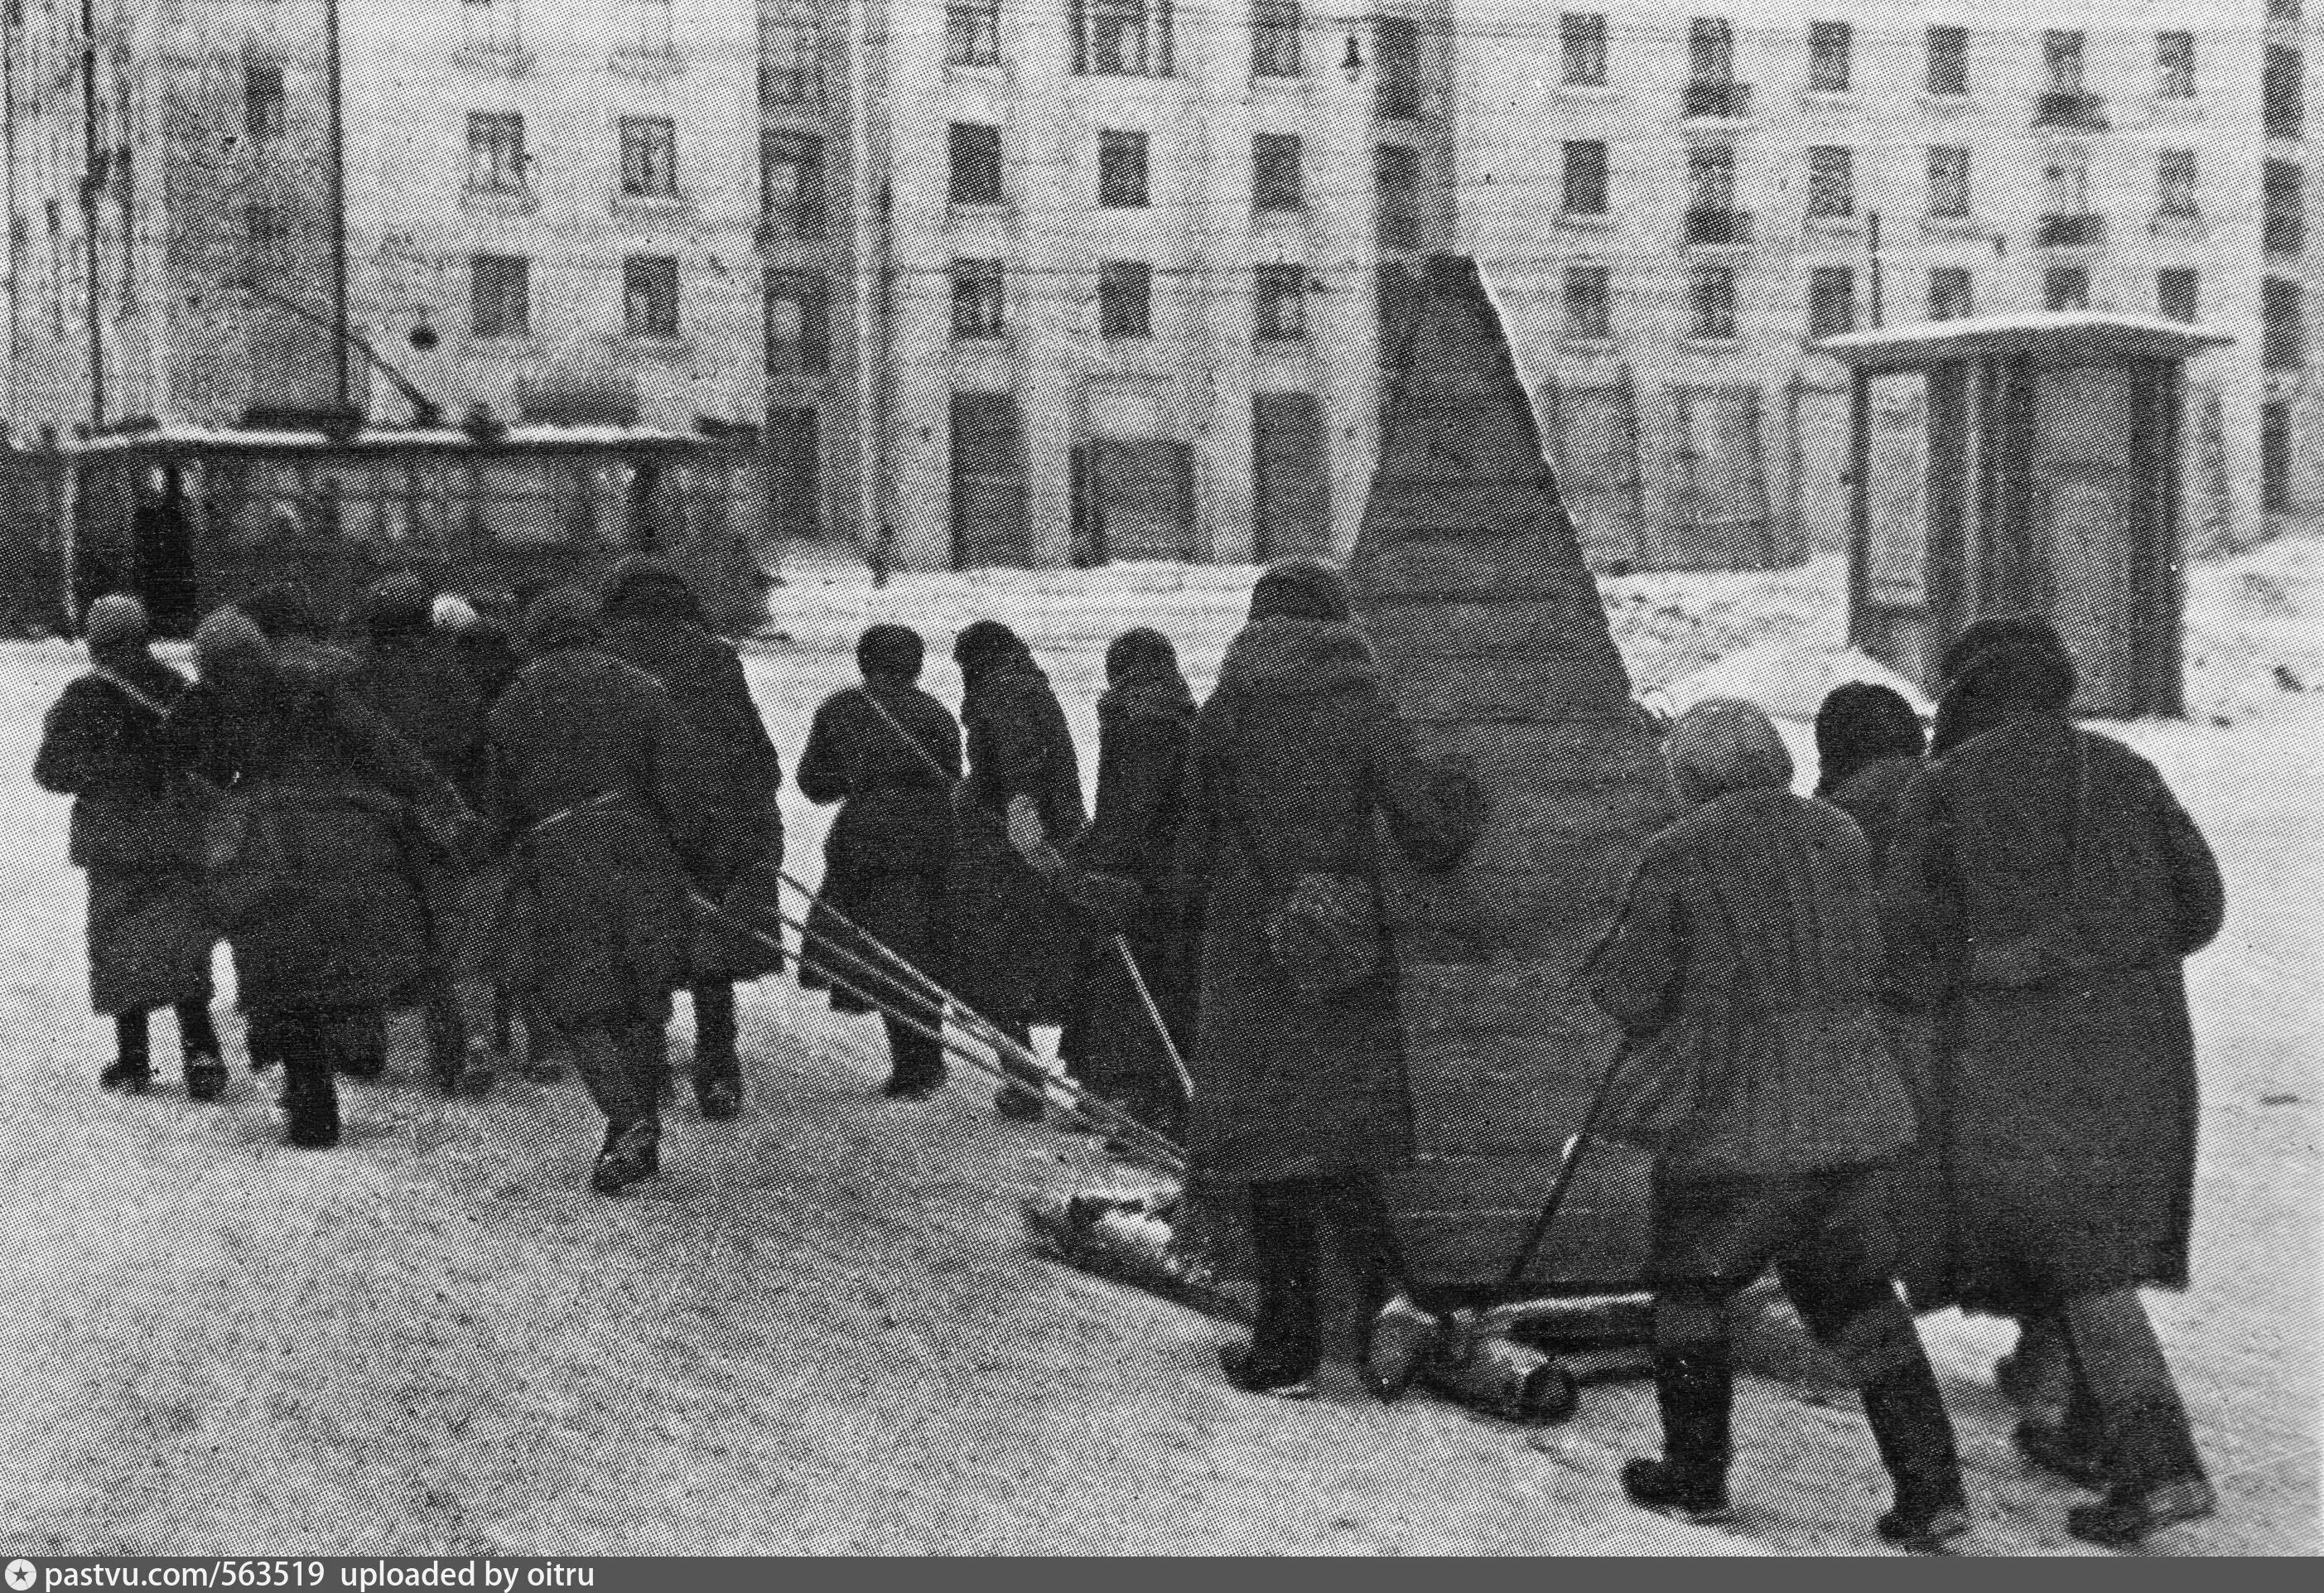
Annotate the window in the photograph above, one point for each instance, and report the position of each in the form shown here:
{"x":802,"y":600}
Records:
{"x":649,"y":27}
{"x":2066,"y":187}
{"x":1281,"y":304}
{"x":1828,"y":48}
{"x":1122,"y":38}
{"x":2275,"y":457}
{"x":2174,"y":182}
{"x":649,"y":157}
{"x":790,"y":63}
{"x":1831,"y":183}
{"x":1711,"y":179}
{"x":650,"y":295}
{"x":977,"y":308}
{"x":1949,"y":195}
{"x":490,"y":26}
{"x":2284,"y":215}
{"x":1589,"y":303}
{"x":1586,"y":177}
{"x":1953,"y":296}
{"x":1710,"y":299}
{"x":1277,"y":181}
{"x":2174,"y":66}
{"x":2282,"y":325}
{"x":2066,"y":287}
{"x":500,"y":295}
{"x":1396,"y":53}
{"x":975,"y":153}
{"x":792,"y":180}
{"x":1121,"y":171}
{"x":1125,"y":299}
{"x":1947,"y":63}
{"x":1710,"y":50}
{"x":1831,"y":301}
{"x":2062,"y":60}
{"x":1274,"y":39}
{"x":1581,"y":35}
{"x":972,"y":33}
{"x":2177,"y":293}
{"x":261,"y":100}
{"x":1397,"y":171}
{"x":798,"y":321}
{"x":2282,"y":107}
{"x":496,"y":152}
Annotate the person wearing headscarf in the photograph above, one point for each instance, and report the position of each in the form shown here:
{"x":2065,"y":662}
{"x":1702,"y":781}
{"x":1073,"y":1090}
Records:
{"x":2045,"y":890}
{"x":135,"y":827}
{"x":1741,"y":968}
{"x":654,"y":622}
{"x":333,"y":821}
{"x":1965,"y":709}
{"x":605,"y":804}
{"x":1869,"y":743}
{"x":1146,"y":719}
{"x":888,"y":754}
{"x":1016,"y":932}
{"x":1301,"y":1102}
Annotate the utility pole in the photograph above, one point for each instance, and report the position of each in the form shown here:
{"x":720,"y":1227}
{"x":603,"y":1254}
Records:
{"x":1872,"y":243}
{"x":92,"y":182}
{"x":342,"y":373}
{"x":15,"y":254}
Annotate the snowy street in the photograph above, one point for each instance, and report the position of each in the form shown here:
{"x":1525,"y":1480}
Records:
{"x":822,"y":1330}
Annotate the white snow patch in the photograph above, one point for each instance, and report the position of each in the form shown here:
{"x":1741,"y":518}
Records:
{"x":1790,"y":679}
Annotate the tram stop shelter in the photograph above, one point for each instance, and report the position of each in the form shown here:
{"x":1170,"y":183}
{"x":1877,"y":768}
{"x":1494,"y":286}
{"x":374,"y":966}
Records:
{"x":2027,"y":464}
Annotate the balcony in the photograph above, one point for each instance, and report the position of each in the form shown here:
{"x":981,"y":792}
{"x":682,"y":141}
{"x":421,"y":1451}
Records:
{"x":2086,"y":230}
{"x":1710,"y":225}
{"x":2077,"y":111}
{"x":1725,"y":102}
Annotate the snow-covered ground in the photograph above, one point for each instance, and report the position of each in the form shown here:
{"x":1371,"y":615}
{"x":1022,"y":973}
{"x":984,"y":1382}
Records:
{"x":821,"y":1331}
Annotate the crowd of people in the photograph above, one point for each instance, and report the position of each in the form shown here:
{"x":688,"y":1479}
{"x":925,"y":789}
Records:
{"x":1918,"y":1040}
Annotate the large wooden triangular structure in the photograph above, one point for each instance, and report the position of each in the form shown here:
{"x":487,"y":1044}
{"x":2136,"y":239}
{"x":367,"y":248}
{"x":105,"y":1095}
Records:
{"x":1467,"y":577}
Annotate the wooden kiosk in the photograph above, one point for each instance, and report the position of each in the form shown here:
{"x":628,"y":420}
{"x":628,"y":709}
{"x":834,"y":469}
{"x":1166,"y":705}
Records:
{"x":2022,"y":465}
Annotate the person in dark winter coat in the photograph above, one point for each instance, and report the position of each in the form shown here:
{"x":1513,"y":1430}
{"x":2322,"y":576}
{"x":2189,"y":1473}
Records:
{"x":136,"y":825}
{"x":1146,"y":719}
{"x":653,"y":621}
{"x":1017,"y":935}
{"x":1741,"y":968}
{"x":336,"y":821}
{"x":2045,"y":890}
{"x":607,"y":808}
{"x":1868,"y":745}
{"x":890,"y":755}
{"x":1966,"y":710}
{"x":1301,"y":1101}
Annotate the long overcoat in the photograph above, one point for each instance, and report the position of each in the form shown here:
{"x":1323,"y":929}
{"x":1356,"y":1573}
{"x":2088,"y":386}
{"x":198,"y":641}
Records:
{"x":135,"y":822}
{"x":418,"y":682}
{"x":345,"y":821}
{"x":887,"y":859}
{"x":744,"y":776}
{"x":600,"y":795}
{"x":1015,"y":938}
{"x":1144,"y":728}
{"x":2044,"y":889}
{"x":1743,"y":966}
{"x":1295,"y":755}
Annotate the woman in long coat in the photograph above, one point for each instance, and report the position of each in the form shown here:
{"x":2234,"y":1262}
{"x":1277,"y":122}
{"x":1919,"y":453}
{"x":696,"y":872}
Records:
{"x":1742,"y":967}
{"x":1016,"y":935}
{"x":2046,"y":887}
{"x":653,"y":621}
{"x":888,"y":754}
{"x":1146,"y":719}
{"x":1301,"y":1102}
{"x":318,"y":879}
{"x":135,"y":823}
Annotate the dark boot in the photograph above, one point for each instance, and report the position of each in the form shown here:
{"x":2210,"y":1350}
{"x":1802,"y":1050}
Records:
{"x":916,"y":1066}
{"x":1915,"y":1438}
{"x":198,"y":1042}
{"x":131,"y":1068}
{"x":2038,"y":1374}
{"x":1285,"y":1340}
{"x":717,"y":1065}
{"x":310,"y":1095}
{"x":632,"y":1151}
{"x":1694,"y":1386}
{"x":2073,"y":1446}
{"x":2155,"y":1475}
{"x":357,"y":1043}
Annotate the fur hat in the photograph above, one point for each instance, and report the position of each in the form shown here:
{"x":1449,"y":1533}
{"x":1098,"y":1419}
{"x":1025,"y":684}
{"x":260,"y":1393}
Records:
{"x":985,"y":643}
{"x":1859,"y":724}
{"x":648,"y":587}
{"x":116,"y":620}
{"x":1300,"y":589}
{"x":892,"y":650}
{"x":228,"y":644}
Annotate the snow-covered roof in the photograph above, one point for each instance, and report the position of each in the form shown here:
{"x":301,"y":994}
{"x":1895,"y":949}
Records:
{"x":449,"y":437}
{"x":2055,"y":334}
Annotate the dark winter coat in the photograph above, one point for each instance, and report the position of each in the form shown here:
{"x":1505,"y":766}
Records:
{"x":704,"y":681}
{"x":1869,"y":796}
{"x":2045,"y":888}
{"x":418,"y":683}
{"x":135,"y":823}
{"x":1145,"y":725}
{"x":606,"y":805}
{"x":889,"y":853}
{"x":346,"y":819}
{"x":1742,"y":966}
{"x":1017,"y":939}
{"x":1295,"y":753}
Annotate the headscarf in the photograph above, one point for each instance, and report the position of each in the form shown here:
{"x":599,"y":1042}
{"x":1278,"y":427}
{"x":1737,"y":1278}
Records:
{"x":562,"y":616}
{"x":396,"y":606}
{"x":1142,"y":677}
{"x":1861,"y":724}
{"x":985,"y":645}
{"x":1299,"y":588}
{"x":115,"y":622}
{"x":2038,"y":677}
{"x":891,"y":652}
{"x":643,"y":587}
{"x":1722,"y":745}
